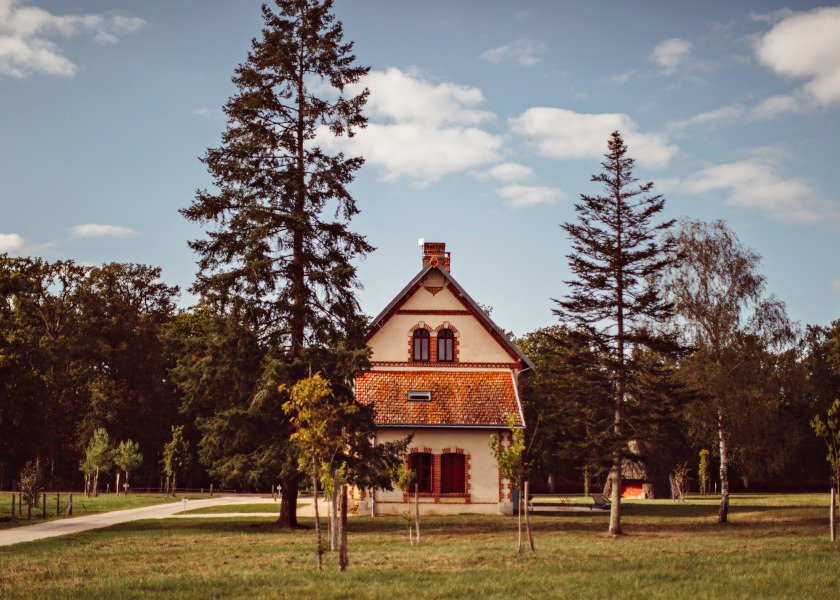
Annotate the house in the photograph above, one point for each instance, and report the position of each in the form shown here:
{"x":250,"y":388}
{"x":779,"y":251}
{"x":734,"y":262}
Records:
{"x":443,"y":372}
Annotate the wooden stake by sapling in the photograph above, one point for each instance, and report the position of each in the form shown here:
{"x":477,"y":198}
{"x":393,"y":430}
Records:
{"x":417,"y":511}
{"x":831,"y":515}
{"x":528,"y":520}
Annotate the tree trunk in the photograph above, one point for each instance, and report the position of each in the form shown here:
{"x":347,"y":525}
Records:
{"x":126,"y":484}
{"x":334,"y":513}
{"x":96,"y":483}
{"x":174,"y":484}
{"x":615,"y":493}
{"x":417,"y":511}
{"x":317,"y":517}
{"x":586,"y":477}
{"x":723,"y":512}
{"x":528,"y":520}
{"x":832,"y":523}
{"x":117,"y":483}
{"x":288,"y":502}
{"x":342,"y":540}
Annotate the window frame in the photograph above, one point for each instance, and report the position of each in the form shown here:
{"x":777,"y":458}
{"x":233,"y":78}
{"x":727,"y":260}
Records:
{"x":424,"y":479}
{"x":446,"y":342}
{"x":421,"y":342}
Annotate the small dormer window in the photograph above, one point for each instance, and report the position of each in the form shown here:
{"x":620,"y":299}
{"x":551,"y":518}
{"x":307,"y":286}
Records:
{"x":420,"y":396}
{"x":421,"y":345}
{"x":445,"y":345}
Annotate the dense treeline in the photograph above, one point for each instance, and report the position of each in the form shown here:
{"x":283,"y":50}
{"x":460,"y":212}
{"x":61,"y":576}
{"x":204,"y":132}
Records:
{"x":778,"y":390}
{"x":82,"y":348}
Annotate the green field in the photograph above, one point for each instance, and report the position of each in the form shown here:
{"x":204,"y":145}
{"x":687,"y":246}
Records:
{"x":775,"y":547}
{"x":83,"y":505}
{"x":266,"y":507}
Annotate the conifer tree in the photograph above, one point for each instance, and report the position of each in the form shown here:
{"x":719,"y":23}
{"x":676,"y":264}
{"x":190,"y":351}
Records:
{"x":616,"y":257}
{"x":280,"y":247}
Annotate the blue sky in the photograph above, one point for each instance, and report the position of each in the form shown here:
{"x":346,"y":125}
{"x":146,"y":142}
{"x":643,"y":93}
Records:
{"x":487,"y":120}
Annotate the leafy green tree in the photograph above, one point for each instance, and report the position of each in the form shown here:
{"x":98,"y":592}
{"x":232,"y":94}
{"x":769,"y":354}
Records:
{"x":616,"y":257}
{"x":40,"y":374}
{"x":176,"y":457}
{"x":30,"y":484}
{"x":568,"y":401}
{"x":98,"y":457}
{"x":703,"y":472}
{"x":127,"y":457}
{"x":828,"y":429}
{"x":723,"y":313}
{"x":317,"y":423}
{"x":123,"y":311}
{"x":281,"y":252}
{"x":511,"y":461}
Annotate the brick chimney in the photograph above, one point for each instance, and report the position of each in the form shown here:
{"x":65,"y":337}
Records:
{"x":435,"y":254}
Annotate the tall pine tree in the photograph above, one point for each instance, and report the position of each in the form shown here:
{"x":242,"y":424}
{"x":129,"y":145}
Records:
{"x":280,"y":249}
{"x":616,"y":258}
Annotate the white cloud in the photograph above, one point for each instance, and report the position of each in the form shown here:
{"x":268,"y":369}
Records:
{"x":522,"y":196}
{"x":806,"y":45}
{"x":565,"y":134}
{"x":525,"y":52}
{"x":210,"y":113}
{"x":92,"y":230}
{"x":835,"y":285}
{"x":26,"y":31}
{"x":774,"y":106}
{"x":757,"y":183}
{"x":623,"y":77}
{"x":774,"y":16}
{"x":420,"y":131}
{"x":724,"y":114}
{"x":11,"y":243}
{"x":508,"y":171}
{"x":670,"y":54}
{"x":406,"y":97}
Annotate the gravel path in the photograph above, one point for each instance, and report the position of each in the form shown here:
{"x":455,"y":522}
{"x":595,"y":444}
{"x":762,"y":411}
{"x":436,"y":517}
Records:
{"x":67,"y":526}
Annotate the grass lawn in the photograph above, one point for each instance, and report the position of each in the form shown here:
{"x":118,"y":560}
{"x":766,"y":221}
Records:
{"x":83,"y":505}
{"x":775,"y":547}
{"x":266,"y":507}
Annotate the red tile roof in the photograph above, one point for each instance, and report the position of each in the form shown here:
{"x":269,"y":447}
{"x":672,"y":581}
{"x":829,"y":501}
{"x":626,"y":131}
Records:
{"x":478,"y":399}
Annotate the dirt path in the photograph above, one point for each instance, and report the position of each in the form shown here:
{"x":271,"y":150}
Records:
{"x":72,"y":525}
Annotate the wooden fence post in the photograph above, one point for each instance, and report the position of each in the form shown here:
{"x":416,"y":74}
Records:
{"x":57,"y":503}
{"x":13,"y":507}
{"x":211,"y":490}
{"x":44,"y":506}
{"x":20,"y":505}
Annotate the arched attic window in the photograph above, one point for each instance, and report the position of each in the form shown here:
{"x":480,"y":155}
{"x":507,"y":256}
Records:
{"x":445,"y":345}
{"x":421,"y":345}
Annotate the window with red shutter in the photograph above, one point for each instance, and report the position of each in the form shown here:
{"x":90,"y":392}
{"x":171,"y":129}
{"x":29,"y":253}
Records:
{"x":452,"y":474}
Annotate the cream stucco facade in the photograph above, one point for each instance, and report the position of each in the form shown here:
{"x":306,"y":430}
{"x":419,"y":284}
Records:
{"x":485,"y":487}
{"x":434,"y":301}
